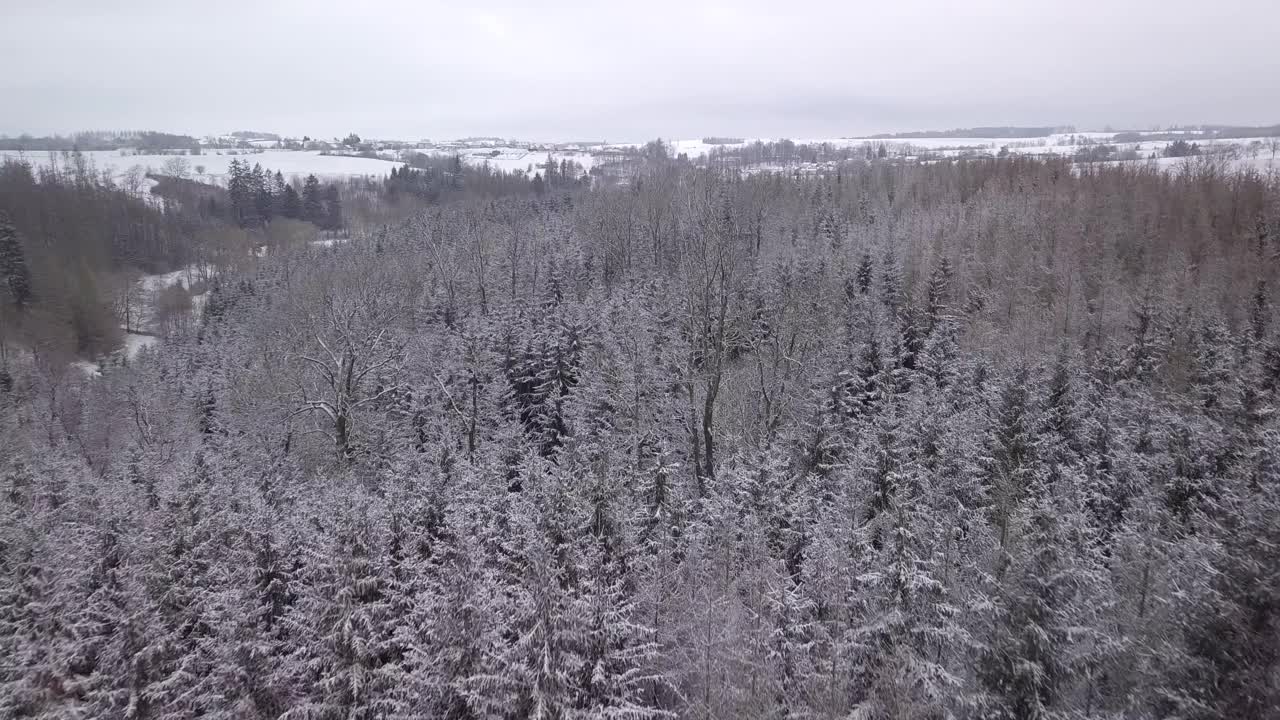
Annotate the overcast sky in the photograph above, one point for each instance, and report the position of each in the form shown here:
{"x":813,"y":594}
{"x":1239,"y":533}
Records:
{"x":576,"y":69}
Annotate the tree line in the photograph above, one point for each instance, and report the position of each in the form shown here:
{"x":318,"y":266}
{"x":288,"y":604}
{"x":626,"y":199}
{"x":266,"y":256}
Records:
{"x":256,"y":196}
{"x":144,"y":141}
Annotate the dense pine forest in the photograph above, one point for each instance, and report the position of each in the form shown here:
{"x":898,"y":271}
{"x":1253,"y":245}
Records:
{"x":961,"y":439}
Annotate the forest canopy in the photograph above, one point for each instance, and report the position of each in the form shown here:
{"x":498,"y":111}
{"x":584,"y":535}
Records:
{"x":973,"y":438}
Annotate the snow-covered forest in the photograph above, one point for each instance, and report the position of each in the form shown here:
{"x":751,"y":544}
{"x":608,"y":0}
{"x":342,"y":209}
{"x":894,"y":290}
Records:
{"x":984,"y":438}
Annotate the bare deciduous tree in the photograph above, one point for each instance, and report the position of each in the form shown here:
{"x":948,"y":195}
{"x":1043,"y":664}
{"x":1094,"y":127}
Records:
{"x":177,"y":166}
{"x":348,"y":340}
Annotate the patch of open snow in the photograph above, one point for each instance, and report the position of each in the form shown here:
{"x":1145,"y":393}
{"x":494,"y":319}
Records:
{"x":697,"y":148}
{"x":144,"y":191}
{"x":512,"y":159}
{"x":90,"y":369}
{"x":150,"y":286}
{"x":135,"y":342}
{"x":212,"y":166}
{"x":185,"y":276}
{"x":1263,"y":165}
{"x":1229,"y":155}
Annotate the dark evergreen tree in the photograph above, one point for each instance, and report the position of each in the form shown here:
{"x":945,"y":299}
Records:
{"x":1260,"y":312}
{"x":276,"y":187}
{"x":1026,"y":668}
{"x":865,"y":271}
{"x":13,"y":264}
{"x":264,"y":202}
{"x":891,"y":293}
{"x":1232,"y":632}
{"x":291,"y":204}
{"x":313,"y":209}
{"x":243,"y":187}
{"x":346,"y":655}
{"x":938,"y":293}
{"x":1010,"y":460}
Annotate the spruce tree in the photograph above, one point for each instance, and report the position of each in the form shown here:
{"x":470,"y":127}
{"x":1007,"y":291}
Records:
{"x":445,"y":633}
{"x":1023,"y":671}
{"x":14,"y":272}
{"x":891,"y":291}
{"x":615,"y":677}
{"x":938,"y":294}
{"x":346,"y":658}
{"x":29,"y":620}
{"x":291,"y":204}
{"x":1260,"y":311}
{"x":313,"y":209}
{"x":263,"y":200}
{"x":865,"y":272}
{"x":1010,"y":462}
{"x":243,"y":193}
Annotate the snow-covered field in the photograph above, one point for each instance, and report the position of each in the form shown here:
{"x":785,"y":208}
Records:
{"x":1263,"y":164}
{"x":1229,"y":155}
{"x":511,"y":158}
{"x":212,"y":165}
{"x":1055,"y":144}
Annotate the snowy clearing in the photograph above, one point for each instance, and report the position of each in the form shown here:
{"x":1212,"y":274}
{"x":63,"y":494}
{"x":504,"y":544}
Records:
{"x":135,"y":342}
{"x":186,"y":277}
{"x":510,"y":158}
{"x":212,"y":166}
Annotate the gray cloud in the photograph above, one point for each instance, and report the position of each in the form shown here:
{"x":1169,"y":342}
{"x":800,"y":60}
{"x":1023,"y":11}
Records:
{"x":578,"y":69}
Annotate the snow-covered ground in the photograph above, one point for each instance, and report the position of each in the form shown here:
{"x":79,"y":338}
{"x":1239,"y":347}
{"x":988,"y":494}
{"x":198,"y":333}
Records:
{"x":135,"y":342}
{"x":694,"y":149}
{"x":186,"y":277}
{"x":513,"y":156}
{"x":510,"y":158}
{"x":149,"y":287}
{"x":1263,"y":164}
{"x":1228,"y":154}
{"x":1055,"y":144}
{"x":86,"y":367}
{"x":212,"y":165}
